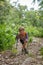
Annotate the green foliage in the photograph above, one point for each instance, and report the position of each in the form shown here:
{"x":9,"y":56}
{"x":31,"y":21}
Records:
{"x":30,"y":39}
{"x":35,"y":31}
{"x":41,"y":51}
{"x":7,"y":39}
{"x":14,"y":51}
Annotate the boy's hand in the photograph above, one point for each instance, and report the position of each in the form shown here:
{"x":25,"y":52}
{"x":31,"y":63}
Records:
{"x":26,"y":41}
{"x":18,"y":40}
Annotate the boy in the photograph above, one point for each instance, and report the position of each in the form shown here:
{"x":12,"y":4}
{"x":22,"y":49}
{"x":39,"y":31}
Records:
{"x":23,"y":36}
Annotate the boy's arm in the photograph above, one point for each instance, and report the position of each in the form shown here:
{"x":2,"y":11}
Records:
{"x":17,"y":37}
{"x":26,"y":37}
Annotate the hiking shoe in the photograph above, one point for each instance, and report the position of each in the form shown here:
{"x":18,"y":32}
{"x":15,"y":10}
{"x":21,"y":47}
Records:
{"x":26,"y":52}
{"x":22,"y":50}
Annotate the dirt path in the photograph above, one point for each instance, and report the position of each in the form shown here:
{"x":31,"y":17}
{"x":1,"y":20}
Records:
{"x":33,"y":58}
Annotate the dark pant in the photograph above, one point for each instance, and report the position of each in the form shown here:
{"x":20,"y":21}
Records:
{"x":22,"y":41}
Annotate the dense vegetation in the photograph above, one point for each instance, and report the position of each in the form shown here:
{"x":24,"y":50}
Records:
{"x":12,"y":17}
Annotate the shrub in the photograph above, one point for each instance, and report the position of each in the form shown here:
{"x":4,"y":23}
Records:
{"x":30,"y":39}
{"x":41,"y":51}
{"x":6,"y":40}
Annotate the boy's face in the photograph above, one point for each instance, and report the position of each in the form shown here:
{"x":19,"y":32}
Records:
{"x":21,"y":31}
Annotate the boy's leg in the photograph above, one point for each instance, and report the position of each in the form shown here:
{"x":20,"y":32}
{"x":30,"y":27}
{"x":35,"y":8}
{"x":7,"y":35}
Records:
{"x":22,"y":42}
{"x":25,"y":48}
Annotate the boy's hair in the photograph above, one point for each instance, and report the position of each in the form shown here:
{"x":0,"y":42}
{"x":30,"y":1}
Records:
{"x":21,"y":28}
